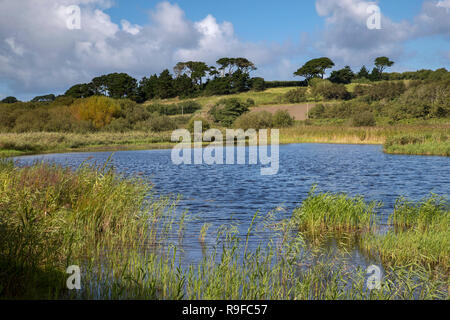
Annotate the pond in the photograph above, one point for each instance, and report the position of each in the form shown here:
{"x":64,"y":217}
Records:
{"x":218,"y":194}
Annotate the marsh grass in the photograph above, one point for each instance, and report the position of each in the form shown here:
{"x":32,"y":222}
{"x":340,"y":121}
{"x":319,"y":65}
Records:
{"x":52,"y":217}
{"x":337,"y":213}
{"x":119,"y":234}
{"x":420,"y":234}
{"x":419,"y":144}
{"x":42,"y":142}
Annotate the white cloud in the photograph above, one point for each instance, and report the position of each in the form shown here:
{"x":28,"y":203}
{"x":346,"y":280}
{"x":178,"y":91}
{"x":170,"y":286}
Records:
{"x":347,"y":40}
{"x":17,"y":49}
{"x":131,"y":29}
{"x":40,"y":54}
{"x":444,"y":4}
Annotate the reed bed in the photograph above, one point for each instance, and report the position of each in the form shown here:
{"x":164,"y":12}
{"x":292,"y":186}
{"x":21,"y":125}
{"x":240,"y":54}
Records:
{"x":420,"y":233}
{"x":431,"y":139}
{"x":42,"y":142}
{"x":325,"y":212}
{"x":419,"y":144}
{"x":118,"y":232}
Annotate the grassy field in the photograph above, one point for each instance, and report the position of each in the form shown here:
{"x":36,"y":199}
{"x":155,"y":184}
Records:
{"x":51,"y":217}
{"x":266,"y":97}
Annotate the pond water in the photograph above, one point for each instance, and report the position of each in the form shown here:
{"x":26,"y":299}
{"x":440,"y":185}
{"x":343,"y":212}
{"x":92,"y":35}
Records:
{"x":218,"y":193}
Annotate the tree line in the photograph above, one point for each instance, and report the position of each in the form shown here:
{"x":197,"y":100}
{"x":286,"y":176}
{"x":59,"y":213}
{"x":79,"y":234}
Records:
{"x":230,"y":75}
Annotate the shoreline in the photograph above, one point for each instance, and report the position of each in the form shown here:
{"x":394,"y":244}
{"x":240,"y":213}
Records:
{"x":169,"y":146}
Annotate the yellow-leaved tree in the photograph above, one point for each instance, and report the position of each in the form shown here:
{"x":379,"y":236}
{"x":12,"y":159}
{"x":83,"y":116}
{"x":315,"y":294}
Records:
{"x":100,"y":110}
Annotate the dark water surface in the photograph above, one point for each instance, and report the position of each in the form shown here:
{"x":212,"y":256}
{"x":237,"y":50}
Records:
{"x":217,"y":193}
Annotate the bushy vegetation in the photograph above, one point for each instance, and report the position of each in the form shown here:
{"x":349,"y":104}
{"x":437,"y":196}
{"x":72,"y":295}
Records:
{"x":226,"y":111}
{"x":52,"y":217}
{"x":295,"y":96}
{"x":420,"y":233}
{"x":334,"y":213}
{"x":393,"y":100}
{"x":96,"y":113}
{"x":327,"y":90}
{"x":364,"y":119}
{"x":254,"y":120}
{"x":282,"y":119}
{"x":419,"y":143}
{"x":186,"y":107}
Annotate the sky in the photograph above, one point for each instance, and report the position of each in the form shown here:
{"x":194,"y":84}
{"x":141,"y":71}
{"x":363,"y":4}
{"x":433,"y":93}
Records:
{"x":44,"y":50}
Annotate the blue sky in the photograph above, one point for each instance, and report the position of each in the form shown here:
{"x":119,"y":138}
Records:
{"x":257,"y":20}
{"x":40,"y":55}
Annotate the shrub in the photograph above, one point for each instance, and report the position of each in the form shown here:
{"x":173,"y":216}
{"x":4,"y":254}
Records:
{"x":258,"y":84}
{"x":227,"y":110}
{"x":331,"y":91}
{"x":61,"y":120}
{"x":118,"y":125}
{"x":205,"y":124}
{"x":158,"y":123}
{"x":32,"y":121}
{"x":188,"y":107}
{"x":10,"y":100}
{"x":99,"y":110}
{"x":282,"y":119}
{"x":295,"y":96}
{"x":317,"y":112}
{"x":365,"y":119}
{"x":250,"y":102}
{"x":254,"y":120}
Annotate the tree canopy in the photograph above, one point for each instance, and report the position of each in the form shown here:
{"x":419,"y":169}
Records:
{"x":314,"y":68}
{"x":382,"y":63}
{"x":343,"y":76}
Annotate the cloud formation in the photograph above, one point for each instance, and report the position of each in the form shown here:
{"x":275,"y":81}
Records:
{"x":38,"y":53}
{"x":347,"y":39}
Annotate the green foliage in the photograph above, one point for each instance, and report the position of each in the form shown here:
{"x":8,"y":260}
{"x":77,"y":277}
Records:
{"x":254,"y":120}
{"x":325,"y":212}
{"x":258,"y":84}
{"x":363,"y":73}
{"x":384,"y":90}
{"x":115,"y":85}
{"x":295,"y":96}
{"x":205,"y":124}
{"x":317,"y":112}
{"x":45,"y":98}
{"x":282,"y":119}
{"x":10,"y":100}
{"x":285,"y":84}
{"x":218,"y":86}
{"x":330,"y":91}
{"x":164,"y":86}
{"x":78,"y":91}
{"x":343,"y":76}
{"x":186,"y":107}
{"x":420,"y":235}
{"x":382,"y":63}
{"x":420,"y":144}
{"x":227,"y":110}
{"x":157,"y":123}
{"x":364,"y":119}
{"x":314,"y":68}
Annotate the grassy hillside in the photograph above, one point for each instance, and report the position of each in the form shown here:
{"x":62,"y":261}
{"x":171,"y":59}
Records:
{"x":411,"y":117}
